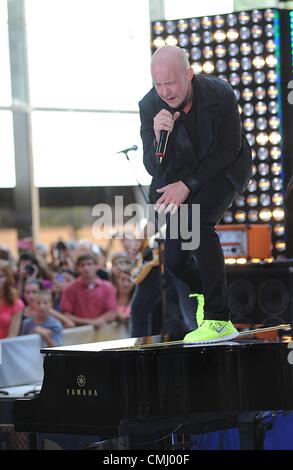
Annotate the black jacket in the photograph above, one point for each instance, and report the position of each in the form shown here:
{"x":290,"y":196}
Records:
{"x":222,"y":147}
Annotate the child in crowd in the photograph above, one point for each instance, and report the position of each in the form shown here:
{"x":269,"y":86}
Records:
{"x":42,"y":322}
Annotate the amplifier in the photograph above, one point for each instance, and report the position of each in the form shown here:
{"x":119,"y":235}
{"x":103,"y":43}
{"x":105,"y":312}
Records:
{"x":245,"y":241}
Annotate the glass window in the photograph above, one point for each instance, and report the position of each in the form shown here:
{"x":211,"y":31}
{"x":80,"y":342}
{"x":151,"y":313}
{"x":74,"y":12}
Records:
{"x":88,"y":54}
{"x":80,"y":149}
{"x":7,"y":173}
{"x":5,"y":88}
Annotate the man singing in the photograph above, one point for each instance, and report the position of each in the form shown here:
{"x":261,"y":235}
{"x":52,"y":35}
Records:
{"x":207,"y":162}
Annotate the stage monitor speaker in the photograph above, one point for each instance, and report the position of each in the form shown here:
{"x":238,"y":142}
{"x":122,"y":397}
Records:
{"x":261,"y":294}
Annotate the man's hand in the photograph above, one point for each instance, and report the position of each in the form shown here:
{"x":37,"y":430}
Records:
{"x":173,"y":195}
{"x":164,"y":121}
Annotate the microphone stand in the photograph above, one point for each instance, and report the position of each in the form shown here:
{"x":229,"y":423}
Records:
{"x":160,"y":242}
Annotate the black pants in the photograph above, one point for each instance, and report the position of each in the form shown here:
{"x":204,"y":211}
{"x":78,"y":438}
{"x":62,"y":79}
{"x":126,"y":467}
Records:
{"x":207,"y":274}
{"x":146,"y":317}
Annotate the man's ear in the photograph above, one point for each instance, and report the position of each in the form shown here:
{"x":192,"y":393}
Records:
{"x":189,"y":74}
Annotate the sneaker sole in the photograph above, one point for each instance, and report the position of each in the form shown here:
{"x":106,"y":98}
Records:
{"x":216,"y":340}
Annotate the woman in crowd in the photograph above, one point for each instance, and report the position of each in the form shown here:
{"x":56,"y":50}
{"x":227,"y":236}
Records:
{"x":10,"y":304}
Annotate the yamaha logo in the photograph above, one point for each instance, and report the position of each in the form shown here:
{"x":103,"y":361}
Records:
{"x":81,"y":391}
{"x":81,"y":380}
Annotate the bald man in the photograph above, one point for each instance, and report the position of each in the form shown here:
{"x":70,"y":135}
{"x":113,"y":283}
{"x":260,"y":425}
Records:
{"x":207,"y":162}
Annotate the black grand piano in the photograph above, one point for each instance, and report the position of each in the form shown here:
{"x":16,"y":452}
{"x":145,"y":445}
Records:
{"x":133,"y":386}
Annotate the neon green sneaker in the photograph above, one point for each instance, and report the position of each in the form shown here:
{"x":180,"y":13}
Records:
{"x":200,"y":305}
{"x":212,"y":331}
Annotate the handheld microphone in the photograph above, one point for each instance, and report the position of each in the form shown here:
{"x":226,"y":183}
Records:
{"x":134,"y":147}
{"x":162,"y":144}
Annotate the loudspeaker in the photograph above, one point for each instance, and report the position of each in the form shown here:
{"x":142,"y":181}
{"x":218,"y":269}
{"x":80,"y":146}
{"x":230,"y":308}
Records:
{"x":261,"y":293}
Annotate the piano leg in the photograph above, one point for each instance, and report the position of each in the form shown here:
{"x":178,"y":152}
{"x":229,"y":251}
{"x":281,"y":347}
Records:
{"x":251,"y":431}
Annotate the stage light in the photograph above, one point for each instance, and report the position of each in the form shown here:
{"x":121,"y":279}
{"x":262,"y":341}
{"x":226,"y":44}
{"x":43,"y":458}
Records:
{"x":256,"y":16}
{"x":248,"y":109}
{"x":270,"y":45}
{"x":231,"y":19}
{"x":252,"y":200}
{"x":262,"y":152}
{"x":254,"y":170}
{"x":252,"y":216}
{"x":241,"y":260}
{"x":170,"y":27}
{"x":219,"y":21}
{"x":265,"y":215}
{"x":246,"y":78}
{"x":276,"y":168}
{"x":262,"y":138}
{"x":259,"y":77}
{"x":234,"y":64}
{"x":256,"y":31}
{"x":247,"y":94}
{"x":246,"y":63}
{"x":240,"y":201}
{"x":197,"y":67}
{"x":265,"y":200}
{"x":248,"y":124}
{"x":260,"y":93}
{"x":207,"y":37}
{"x":195,"y":53}
{"x":221,"y":66}
{"x":182,"y":26}
{"x":274,"y":122}
{"x":195,"y":39}
{"x":219,"y":35}
{"x":269,"y":30}
{"x":228,"y":217}
{"x":158,"y":27}
{"x":275,"y":153}
{"x":264,"y":184}
{"x":258,"y":62}
{"x":206,"y":22}
{"x":244,"y":33}
{"x":263,"y":169}
{"x":208,"y":67}
{"x":243,"y":17}
{"x":280,"y":245}
{"x":220,"y":51}
{"x":279,"y":229}
{"x":232,"y":34}
{"x":278,"y":214}
{"x":272,"y":92}
{"x":171,"y":41}
{"x":261,"y":123}
{"x":277,"y":184}
{"x":245,"y":48}
{"x":240,"y":216}
{"x":194,"y":24}
{"x":252,"y":186}
{"x":251,"y":138}
{"x":257,"y":47}
{"x":278,"y":199}
{"x":234,"y":79}
{"x":275,"y":138}
{"x":272,"y":76}
{"x":208,"y":52}
{"x":269,"y":14}
{"x":261,"y":108}
{"x":158,"y":42}
{"x":183,"y":40}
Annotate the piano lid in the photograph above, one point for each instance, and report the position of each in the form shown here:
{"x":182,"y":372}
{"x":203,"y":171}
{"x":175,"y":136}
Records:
{"x":145,"y":343}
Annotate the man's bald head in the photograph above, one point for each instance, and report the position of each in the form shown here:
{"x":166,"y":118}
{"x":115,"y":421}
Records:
{"x":172,"y":76}
{"x":170,"y":55}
